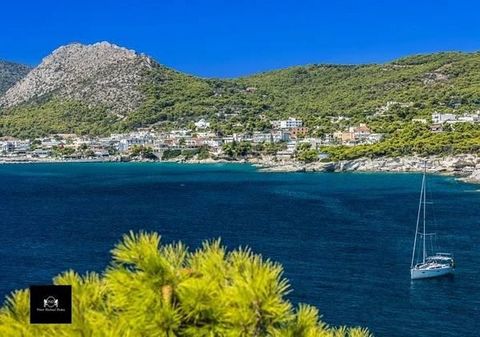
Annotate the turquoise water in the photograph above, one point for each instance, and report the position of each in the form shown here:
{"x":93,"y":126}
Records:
{"x":343,"y":239}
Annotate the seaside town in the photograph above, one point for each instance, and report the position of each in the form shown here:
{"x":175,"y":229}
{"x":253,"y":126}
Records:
{"x":198,"y":143}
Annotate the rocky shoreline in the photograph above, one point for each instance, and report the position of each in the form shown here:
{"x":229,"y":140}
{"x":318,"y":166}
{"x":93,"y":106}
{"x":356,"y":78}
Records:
{"x":465,"y":167}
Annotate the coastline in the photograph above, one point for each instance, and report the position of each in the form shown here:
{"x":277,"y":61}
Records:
{"x":464,"y":167}
{"x":9,"y":161}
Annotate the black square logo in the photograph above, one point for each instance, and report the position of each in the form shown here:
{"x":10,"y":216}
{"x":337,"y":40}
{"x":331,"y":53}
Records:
{"x":51,"y":304}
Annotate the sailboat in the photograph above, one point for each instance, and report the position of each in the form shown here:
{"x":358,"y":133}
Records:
{"x":428,"y":266}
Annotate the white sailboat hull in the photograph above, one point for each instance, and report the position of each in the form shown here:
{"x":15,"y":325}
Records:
{"x":436,"y":265}
{"x":419,"y":273}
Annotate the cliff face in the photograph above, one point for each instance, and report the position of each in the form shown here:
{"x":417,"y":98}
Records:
{"x":101,"y":74}
{"x":11,"y":73}
{"x":463,"y":166}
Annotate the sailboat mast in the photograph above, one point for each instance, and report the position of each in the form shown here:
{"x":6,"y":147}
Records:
{"x":418,"y":222}
{"x":424,"y":209}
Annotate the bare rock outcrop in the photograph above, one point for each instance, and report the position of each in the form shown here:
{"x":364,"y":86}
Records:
{"x":463,"y":166}
{"x":11,"y":73}
{"x":98,"y":74}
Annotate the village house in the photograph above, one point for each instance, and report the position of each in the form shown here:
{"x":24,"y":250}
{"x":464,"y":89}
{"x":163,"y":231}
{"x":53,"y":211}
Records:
{"x":236,"y":137}
{"x":280,"y":136}
{"x":469,"y":118}
{"x":328,"y":139}
{"x":344,"y":137}
{"x":284,"y":155}
{"x":214,"y":143}
{"x":8,"y":147}
{"x":41,"y":153}
{"x":13,"y":146}
{"x":448,"y":118}
{"x":207,"y":134}
{"x":360,"y":134}
{"x":136,"y":138}
{"x":314,"y":142}
{"x":48,"y":143}
{"x":202,"y":124}
{"x":259,"y":137}
{"x":287,"y":123}
{"x":228,"y":139}
{"x":439,"y":118}
{"x":436,"y":127}
{"x":298,"y":132}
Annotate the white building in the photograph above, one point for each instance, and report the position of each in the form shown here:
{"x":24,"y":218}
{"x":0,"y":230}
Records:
{"x":48,"y":143}
{"x":41,"y":153}
{"x":8,"y":146}
{"x":280,"y":136}
{"x":288,"y":123}
{"x":291,"y":146}
{"x":202,"y":124}
{"x":17,"y":146}
{"x":327,"y":139}
{"x":214,"y":143}
{"x":228,"y":139}
{"x":469,"y":118}
{"x":259,"y":137}
{"x":439,"y":118}
{"x":135,"y":138}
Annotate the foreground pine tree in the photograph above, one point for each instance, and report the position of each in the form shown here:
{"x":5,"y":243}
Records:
{"x":152,"y":290}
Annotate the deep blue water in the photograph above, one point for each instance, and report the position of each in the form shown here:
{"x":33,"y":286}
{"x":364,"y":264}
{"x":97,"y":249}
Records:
{"x":343,"y":239}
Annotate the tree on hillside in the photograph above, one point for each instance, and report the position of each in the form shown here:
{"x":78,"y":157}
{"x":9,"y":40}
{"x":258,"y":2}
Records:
{"x":306,"y":153}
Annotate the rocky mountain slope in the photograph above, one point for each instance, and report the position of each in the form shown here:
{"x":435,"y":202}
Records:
{"x":101,"y":74}
{"x":102,"y":88}
{"x":10,"y":73}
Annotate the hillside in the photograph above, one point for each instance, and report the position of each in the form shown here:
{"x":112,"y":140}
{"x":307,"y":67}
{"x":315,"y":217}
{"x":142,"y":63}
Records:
{"x":10,"y":73}
{"x":103,"y":88}
{"x":438,"y":81}
{"x":419,"y":85}
{"x":99,"y":74}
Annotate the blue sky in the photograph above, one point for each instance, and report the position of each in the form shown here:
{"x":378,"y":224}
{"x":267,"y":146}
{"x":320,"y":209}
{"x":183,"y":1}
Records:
{"x":232,"y":38}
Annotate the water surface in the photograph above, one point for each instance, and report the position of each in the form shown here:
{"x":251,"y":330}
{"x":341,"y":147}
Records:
{"x":343,"y":239}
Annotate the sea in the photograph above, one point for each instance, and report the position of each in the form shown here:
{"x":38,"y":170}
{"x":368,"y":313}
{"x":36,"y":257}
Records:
{"x":344,"y":239}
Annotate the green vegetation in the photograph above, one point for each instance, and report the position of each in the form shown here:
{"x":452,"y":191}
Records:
{"x":244,"y":149}
{"x":42,"y":119}
{"x":63,"y":151}
{"x":165,"y":290}
{"x":142,"y":152}
{"x":237,"y":149}
{"x":203,"y":153}
{"x":306,"y":154}
{"x":415,"y":139}
{"x":171,"y":154}
{"x":443,"y":82}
